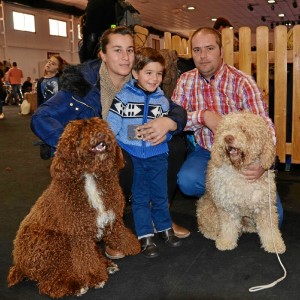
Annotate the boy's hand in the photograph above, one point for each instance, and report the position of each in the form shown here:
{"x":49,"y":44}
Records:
{"x":156,"y":130}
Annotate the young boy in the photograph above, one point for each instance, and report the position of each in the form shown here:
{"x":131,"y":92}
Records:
{"x":140,"y":101}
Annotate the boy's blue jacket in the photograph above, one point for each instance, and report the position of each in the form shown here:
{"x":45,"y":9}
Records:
{"x":133,"y":106}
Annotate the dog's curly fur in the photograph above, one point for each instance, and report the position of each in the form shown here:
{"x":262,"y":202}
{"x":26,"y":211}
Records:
{"x":232,"y":205}
{"x":56,"y":242}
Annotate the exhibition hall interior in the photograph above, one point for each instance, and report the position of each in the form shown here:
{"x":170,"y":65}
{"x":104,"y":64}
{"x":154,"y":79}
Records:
{"x":260,"y":40}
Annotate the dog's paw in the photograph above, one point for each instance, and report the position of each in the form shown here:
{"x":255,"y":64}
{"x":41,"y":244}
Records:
{"x":82,"y":291}
{"x":209,"y":235}
{"x":280,"y":247}
{"x":225,"y":245}
{"x":100,"y":285}
{"x":112,"y":268}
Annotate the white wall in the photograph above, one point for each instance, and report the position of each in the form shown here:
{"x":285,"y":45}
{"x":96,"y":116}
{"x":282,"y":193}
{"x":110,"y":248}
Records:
{"x":28,"y":49}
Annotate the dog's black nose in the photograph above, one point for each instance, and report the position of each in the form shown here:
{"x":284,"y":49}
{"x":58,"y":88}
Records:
{"x":229,"y":139}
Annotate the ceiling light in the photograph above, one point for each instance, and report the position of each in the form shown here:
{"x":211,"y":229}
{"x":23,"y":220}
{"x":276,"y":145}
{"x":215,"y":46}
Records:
{"x":272,"y":7}
{"x":250,"y":7}
{"x":280,"y":15}
{"x":191,"y":7}
{"x":214,"y":19}
{"x":271,"y":1}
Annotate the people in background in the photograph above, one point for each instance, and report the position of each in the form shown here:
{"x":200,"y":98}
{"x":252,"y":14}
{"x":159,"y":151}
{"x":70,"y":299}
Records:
{"x":1,"y":101}
{"x":2,"y":91}
{"x":87,"y":90}
{"x":6,"y":76}
{"x":222,"y":23}
{"x":208,"y":92}
{"x":48,"y":85}
{"x":150,"y":162}
{"x":27,"y":86}
{"x":2,"y":70}
{"x":15,"y":76}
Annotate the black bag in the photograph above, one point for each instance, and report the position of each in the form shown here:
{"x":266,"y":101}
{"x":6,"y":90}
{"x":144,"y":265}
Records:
{"x":99,"y":16}
{"x":45,"y":151}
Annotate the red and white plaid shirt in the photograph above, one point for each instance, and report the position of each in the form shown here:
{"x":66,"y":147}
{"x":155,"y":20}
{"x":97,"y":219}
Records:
{"x":227,"y":91}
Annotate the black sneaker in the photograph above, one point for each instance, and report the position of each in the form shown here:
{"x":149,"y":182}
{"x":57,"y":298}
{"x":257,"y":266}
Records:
{"x":170,"y":238}
{"x":149,"y":249}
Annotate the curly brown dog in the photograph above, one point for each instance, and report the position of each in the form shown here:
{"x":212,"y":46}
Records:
{"x":56,"y":242}
{"x":231,"y":204}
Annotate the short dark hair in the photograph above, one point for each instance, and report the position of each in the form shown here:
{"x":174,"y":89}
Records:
{"x":104,"y":40}
{"x":209,"y":30}
{"x":145,"y":56}
{"x":14,"y":64}
{"x":222,"y":22}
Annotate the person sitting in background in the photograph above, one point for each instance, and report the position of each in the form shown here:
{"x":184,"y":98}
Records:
{"x":48,"y":85}
{"x":88,"y":89}
{"x":27,"y":86}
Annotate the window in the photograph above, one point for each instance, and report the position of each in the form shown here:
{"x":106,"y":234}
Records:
{"x":58,"y":28}
{"x":23,"y":22}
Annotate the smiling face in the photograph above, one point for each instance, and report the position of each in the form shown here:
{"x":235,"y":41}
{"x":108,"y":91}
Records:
{"x":206,"y":53}
{"x":150,"y":77}
{"x":52,"y":66}
{"x":119,"y":55}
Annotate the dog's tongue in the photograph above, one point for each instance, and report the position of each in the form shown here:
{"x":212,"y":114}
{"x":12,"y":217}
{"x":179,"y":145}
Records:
{"x":232,"y":151}
{"x":100,"y":147}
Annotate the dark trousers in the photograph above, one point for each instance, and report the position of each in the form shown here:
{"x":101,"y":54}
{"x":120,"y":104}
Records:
{"x":17,"y":93}
{"x":177,"y":155}
{"x":149,"y":195}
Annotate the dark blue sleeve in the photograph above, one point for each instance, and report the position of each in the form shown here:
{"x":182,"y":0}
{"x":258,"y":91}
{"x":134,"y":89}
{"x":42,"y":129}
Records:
{"x":179,"y":115}
{"x":50,"y":119}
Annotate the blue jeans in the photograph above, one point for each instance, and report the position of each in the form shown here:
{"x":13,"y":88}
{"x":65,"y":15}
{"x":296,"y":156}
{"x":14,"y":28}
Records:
{"x":192,"y":175}
{"x":16,"y":92}
{"x":150,"y":195}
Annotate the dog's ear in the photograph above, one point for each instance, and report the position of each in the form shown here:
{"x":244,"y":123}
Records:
{"x":119,"y":158}
{"x":268,"y":154}
{"x":58,"y":167}
{"x":64,"y":168}
{"x":65,"y":162}
{"x":217,"y":155}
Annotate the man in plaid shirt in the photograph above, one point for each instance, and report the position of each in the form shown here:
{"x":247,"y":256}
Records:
{"x":208,"y":92}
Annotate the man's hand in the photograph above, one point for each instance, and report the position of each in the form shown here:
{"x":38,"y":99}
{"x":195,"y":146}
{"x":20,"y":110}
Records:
{"x":155,"y":131}
{"x":212,"y":120}
{"x":253,"y":171}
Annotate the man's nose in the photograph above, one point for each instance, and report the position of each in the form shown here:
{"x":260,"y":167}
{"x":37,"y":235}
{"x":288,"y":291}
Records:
{"x":203,"y":53}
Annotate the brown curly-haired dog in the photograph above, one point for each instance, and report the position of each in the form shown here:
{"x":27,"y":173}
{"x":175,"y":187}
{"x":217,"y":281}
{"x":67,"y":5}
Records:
{"x":231,"y":204}
{"x":56,"y":242}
